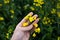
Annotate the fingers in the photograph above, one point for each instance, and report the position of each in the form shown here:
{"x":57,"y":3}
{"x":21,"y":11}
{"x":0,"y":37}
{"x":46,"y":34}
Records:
{"x":26,"y":28}
{"x":24,"y":20}
{"x":35,"y":16}
{"x":36,"y":21}
{"x":30,"y":26}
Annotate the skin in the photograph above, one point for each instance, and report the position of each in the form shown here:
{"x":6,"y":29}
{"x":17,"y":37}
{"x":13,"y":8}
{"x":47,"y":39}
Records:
{"x":23,"y":33}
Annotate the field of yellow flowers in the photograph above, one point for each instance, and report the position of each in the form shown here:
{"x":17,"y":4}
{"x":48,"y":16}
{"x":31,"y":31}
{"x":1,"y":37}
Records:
{"x":13,"y":11}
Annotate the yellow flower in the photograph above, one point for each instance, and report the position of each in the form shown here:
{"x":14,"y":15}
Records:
{"x":32,"y":8}
{"x":58,"y":38}
{"x":44,"y":18}
{"x":27,"y":17}
{"x":10,"y":30}
{"x":34,"y":17}
{"x":31,"y":19}
{"x":49,"y":21}
{"x":35,"y":25}
{"x":58,"y":13}
{"x":37,"y":4}
{"x":1,"y":18}
{"x":6,"y":1}
{"x":46,"y":22}
{"x":7,"y":35}
{"x":12,"y":11}
{"x":35,"y":0}
{"x":53,"y":11}
{"x":12,"y":16}
{"x":0,"y":5}
{"x":42,"y":2}
{"x":34,"y":35}
{"x":25,"y":24}
{"x":58,"y":5}
{"x":37,"y":30}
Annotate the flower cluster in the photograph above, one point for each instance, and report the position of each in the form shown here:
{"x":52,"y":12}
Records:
{"x":6,"y":1}
{"x":31,"y":19}
{"x":47,"y":20}
{"x":38,"y":2}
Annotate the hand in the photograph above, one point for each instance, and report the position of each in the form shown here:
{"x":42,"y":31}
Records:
{"x":23,"y":33}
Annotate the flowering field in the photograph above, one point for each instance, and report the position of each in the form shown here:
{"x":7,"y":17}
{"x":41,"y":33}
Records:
{"x":13,"y":11}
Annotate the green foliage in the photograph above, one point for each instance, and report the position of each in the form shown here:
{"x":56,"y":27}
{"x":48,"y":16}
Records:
{"x":12,"y":12}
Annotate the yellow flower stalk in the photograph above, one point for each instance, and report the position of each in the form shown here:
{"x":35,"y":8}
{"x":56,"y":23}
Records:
{"x":35,"y":25}
{"x":25,"y":24}
{"x":12,"y":11}
{"x":34,"y":35}
{"x":31,"y":19}
{"x":1,"y":18}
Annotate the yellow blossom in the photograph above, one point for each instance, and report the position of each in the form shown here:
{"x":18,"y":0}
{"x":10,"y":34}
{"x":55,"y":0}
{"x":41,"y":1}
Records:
{"x":58,"y":13}
{"x":48,"y":21}
{"x":42,"y":2}
{"x":32,"y":8}
{"x":12,"y":11}
{"x":1,"y":18}
{"x":35,"y":25}
{"x":0,"y":5}
{"x":34,"y":17}
{"x":37,"y":30}
{"x":53,"y":11}
{"x":27,"y":17}
{"x":10,"y":30}
{"x":34,"y":35}
{"x":7,"y":35}
{"x":37,"y":4}
{"x":31,"y":19}
{"x":44,"y":18}
{"x":25,"y":24}
{"x":58,"y":38}
{"x":6,"y":1}
{"x":58,"y":5}
{"x":12,"y":16}
{"x":35,"y":0}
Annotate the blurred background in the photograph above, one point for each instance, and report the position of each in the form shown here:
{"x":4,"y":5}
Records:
{"x":12,"y":12}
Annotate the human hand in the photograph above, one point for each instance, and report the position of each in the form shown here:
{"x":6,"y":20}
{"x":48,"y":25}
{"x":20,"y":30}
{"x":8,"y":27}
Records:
{"x":23,"y":33}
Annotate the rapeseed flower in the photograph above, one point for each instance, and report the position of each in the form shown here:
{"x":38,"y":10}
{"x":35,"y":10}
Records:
{"x":38,"y":2}
{"x":6,"y":1}
{"x":35,"y":25}
{"x":53,"y":11}
{"x":34,"y":35}
{"x":0,"y":5}
{"x":31,"y":19}
{"x":1,"y":18}
{"x":25,"y":24}
{"x":12,"y":11}
{"x":37,"y":30}
{"x":32,"y":8}
{"x":58,"y":14}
